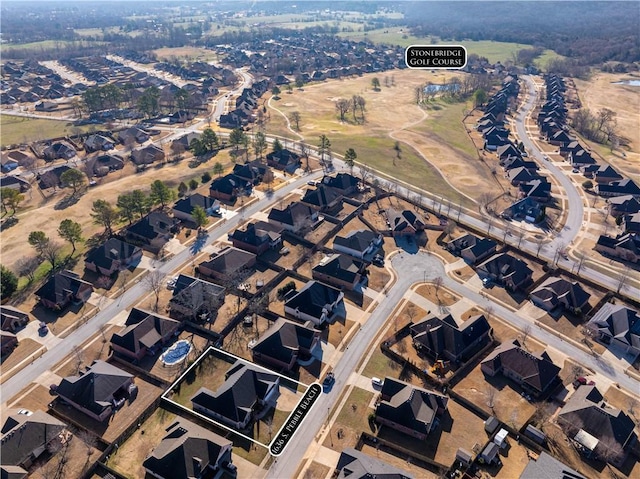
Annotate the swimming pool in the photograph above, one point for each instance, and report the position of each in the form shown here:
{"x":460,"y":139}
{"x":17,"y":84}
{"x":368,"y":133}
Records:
{"x":176,"y":353}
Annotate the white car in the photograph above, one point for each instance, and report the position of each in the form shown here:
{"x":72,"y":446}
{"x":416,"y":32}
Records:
{"x":377,"y":382}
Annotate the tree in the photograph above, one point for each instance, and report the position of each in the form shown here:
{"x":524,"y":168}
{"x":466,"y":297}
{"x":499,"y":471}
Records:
{"x":10,"y":198}
{"x":140,"y":202}
{"x":350,"y":157}
{"x":206,"y":176}
{"x":104,"y":214}
{"x":193,"y":184}
{"x":39,"y":240}
{"x":161,"y":193}
{"x":587,"y":184}
{"x":259,"y":144}
{"x":343,"y":106}
{"x":127,"y":207}
{"x":304,"y":152}
{"x":539,"y":243}
{"x":479,"y":97}
{"x":8,"y":282}
{"x":197,"y":147}
{"x":276,"y":146}
{"x":27,"y":266}
{"x":375,"y":83}
{"x":398,"y":150}
{"x":218,"y":169}
{"x":275,"y":91}
{"x":299,"y":81}
{"x":182,"y":189}
{"x":210,"y":140}
{"x":324,"y":148}
{"x":199,"y":216}
{"x":155,"y":281}
{"x":70,"y":231}
{"x":623,"y":278}
{"x":236,"y":137}
{"x":526,"y":332}
{"x":295,"y":118}
{"x":73,"y":178}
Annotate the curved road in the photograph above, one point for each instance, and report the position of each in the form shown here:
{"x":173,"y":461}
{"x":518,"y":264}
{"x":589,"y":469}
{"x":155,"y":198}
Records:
{"x":416,"y":268}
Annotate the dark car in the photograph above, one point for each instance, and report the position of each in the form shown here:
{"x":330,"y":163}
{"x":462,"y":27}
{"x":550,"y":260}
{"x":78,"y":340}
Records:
{"x":43,"y":330}
{"x":328,"y":380}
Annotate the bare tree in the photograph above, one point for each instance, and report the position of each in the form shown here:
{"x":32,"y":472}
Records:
{"x":295,"y":118}
{"x":26,"y":266}
{"x":491,"y":392}
{"x":485,"y":200}
{"x":154,"y":282}
{"x":343,"y":106}
{"x":365,"y":173}
{"x":623,"y":278}
{"x":559,"y":252}
{"x":520,"y":234}
{"x":576,"y":370}
{"x":78,"y":355}
{"x":437,"y":282}
{"x":449,"y":228}
{"x":526,"y":331}
{"x":50,"y":251}
{"x":304,"y":152}
{"x":539,"y":241}
{"x":507,"y":231}
{"x":411,"y":312}
{"x":488,"y":311}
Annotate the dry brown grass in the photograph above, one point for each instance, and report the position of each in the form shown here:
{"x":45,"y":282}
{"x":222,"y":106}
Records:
{"x":600,"y":92}
{"x":25,"y":348}
{"x":437,"y":295}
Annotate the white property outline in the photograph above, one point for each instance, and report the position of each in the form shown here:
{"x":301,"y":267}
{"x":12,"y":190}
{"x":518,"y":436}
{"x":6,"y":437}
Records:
{"x":224,"y":426}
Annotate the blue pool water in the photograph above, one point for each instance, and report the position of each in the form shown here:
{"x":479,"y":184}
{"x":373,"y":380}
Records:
{"x":176,"y":353}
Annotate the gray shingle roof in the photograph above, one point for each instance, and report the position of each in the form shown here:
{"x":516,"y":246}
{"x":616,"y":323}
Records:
{"x":355,"y":464}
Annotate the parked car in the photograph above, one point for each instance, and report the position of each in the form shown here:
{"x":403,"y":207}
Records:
{"x":328,"y":380}
{"x":43,"y":330}
{"x":377,"y":382}
{"x":378,"y":260}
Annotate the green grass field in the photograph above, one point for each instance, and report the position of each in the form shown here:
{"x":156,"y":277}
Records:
{"x":446,"y":123}
{"x":46,"y":45}
{"x":15,"y":129}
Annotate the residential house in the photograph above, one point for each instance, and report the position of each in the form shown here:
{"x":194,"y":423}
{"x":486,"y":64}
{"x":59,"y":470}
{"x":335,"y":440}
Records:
{"x":495,"y":137}
{"x":227,"y":264}
{"x":563,"y":294}
{"x":247,"y":392}
{"x":8,"y":342}
{"x":254,"y":172}
{"x":538,"y":189}
{"x":359,"y":243}
{"x":296,"y":217}
{"x":195,"y":299}
{"x":623,"y":205}
{"x":111,"y":256}
{"x":12,"y":319}
{"x":617,"y":325}
{"x":59,"y":150}
{"x":63,"y":288}
{"x":104,"y":164}
{"x":605,"y":174}
{"x":597,"y":429}
{"x":506,"y":270}
{"x":147,"y":155}
{"x":183,"y":208}
{"x":257,"y":237}
{"x":579,"y":158}
{"x":631,"y":223}
{"x":151,"y":232}
{"x":8,"y":164}
{"x":339,"y":270}
{"x":324,"y":199}
{"x":520,"y":175}
{"x":526,"y":208}
{"x":560,"y":138}
{"x":410,"y":409}
{"x":44,"y":105}
{"x":448,"y":339}
{"x":619,"y":188}
{"x":508,"y":150}
{"x":15,"y":183}
{"x":546,"y":466}
{"x":472,"y":248}
{"x":625,"y":246}
{"x":94,"y":391}
{"x":25,"y":436}
{"x":144,"y":334}
{"x":568,"y":148}
{"x":188,"y":451}
{"x":354,"y":464}
{"x":405,"y":223}
{"x":343,"y":183}
{"x":226,"y":188}
{"x":184,"y":141}
{"x":98,"y":143}
{"x":284,"y":160}
{"x":315,"y":302}
{"x":284,"y":343}
{"x":535,"y":374}
{"x":131,"y":135}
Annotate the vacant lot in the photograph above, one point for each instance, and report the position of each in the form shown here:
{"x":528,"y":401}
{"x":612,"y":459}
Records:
{"x":25,"y":349}
{"x":187,"y":53}
{"x":599,"y":92}
{"x":16,"y":129}
{"x":352,"y":420}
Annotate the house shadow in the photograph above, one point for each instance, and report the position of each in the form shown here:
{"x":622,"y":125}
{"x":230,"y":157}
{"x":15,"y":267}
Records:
{"x":407,"y":243}
{"x":49,"y":316}
{"x":356,"y":295}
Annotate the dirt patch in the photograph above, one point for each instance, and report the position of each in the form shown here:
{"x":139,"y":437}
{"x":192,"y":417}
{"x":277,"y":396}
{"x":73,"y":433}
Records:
{"x":437,"y":295}
{"x":316,"y":471}
{"x":351,"y":421}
